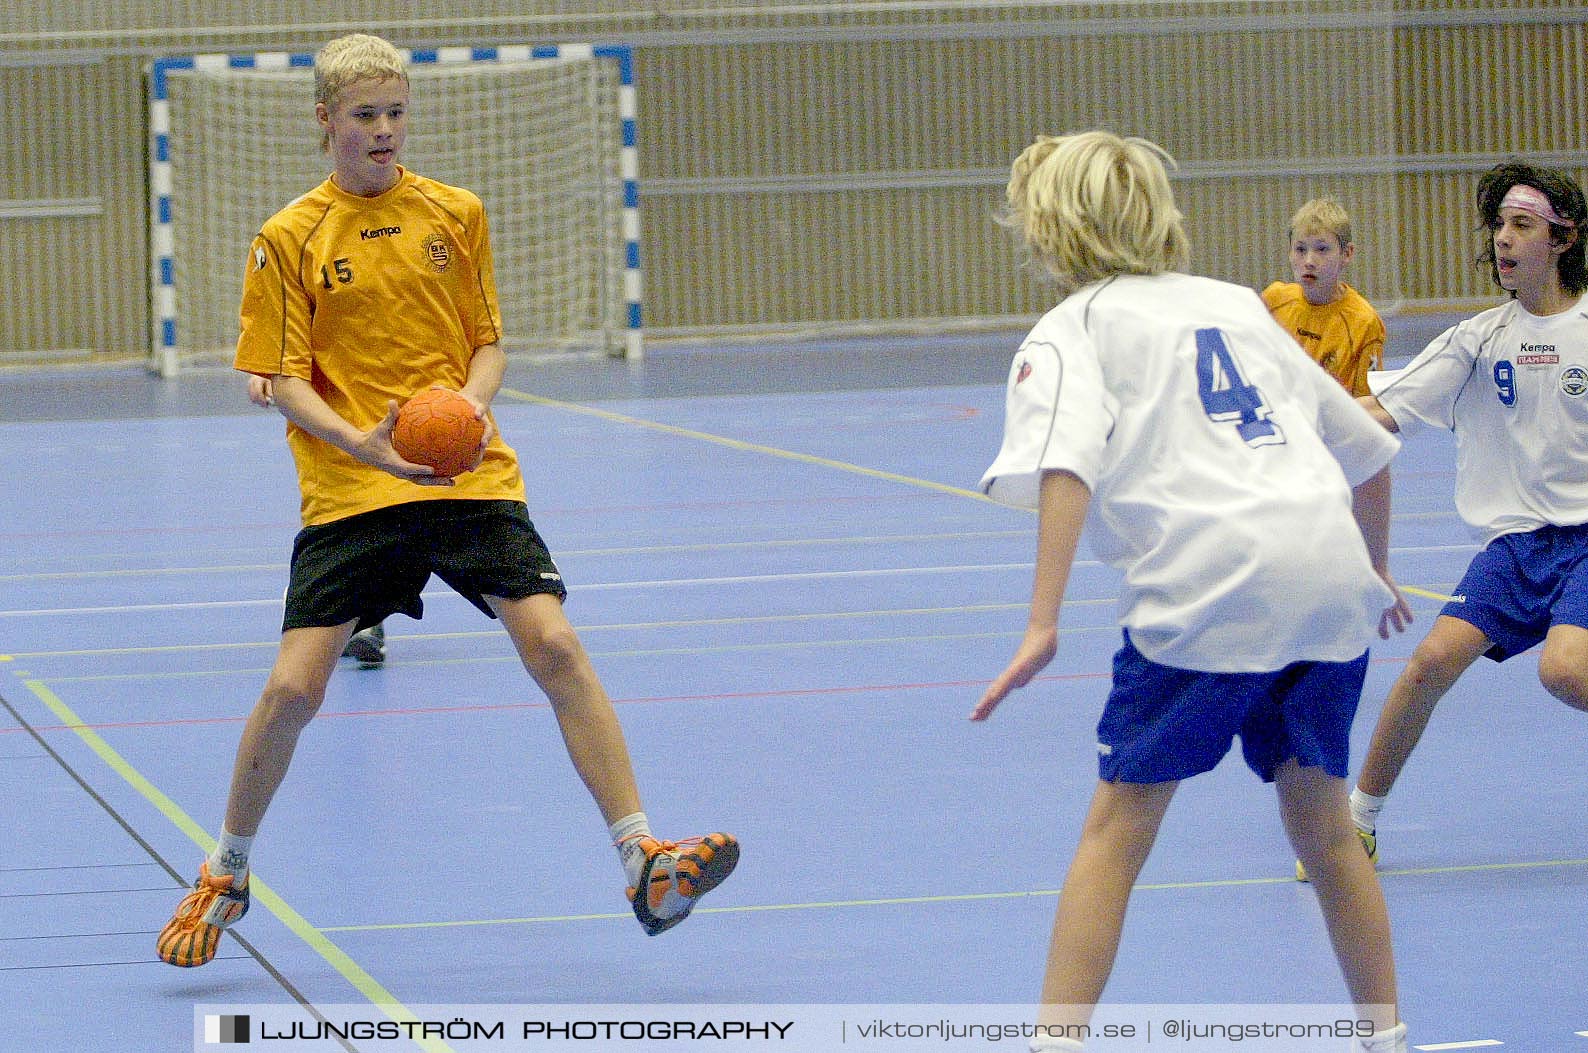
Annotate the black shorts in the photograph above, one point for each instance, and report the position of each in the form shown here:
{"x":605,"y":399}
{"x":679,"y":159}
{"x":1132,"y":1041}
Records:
{"x":375,"y":564}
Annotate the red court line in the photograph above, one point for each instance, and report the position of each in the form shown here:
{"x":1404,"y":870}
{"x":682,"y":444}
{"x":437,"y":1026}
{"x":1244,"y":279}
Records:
{"x":724,"y":696}
{"x":505,"y":706}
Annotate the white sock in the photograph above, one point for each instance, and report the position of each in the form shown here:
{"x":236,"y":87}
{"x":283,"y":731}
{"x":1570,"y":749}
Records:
{"x":230,"y":855}
{"x":1391,"y":1041}
{"x":626,"y":834}
{"x":1364,"y":810}
{"x":1054,"y":1044}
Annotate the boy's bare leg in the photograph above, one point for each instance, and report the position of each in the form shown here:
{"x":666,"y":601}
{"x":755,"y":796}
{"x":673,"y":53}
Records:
{"x":1563,"y":666}
{"x":551,"y":651}
{"x":1314,"y":807}
{"x":1120,"y":828}
{"x":1448,"y":650}
{"x":291,"y":697}
{"x":666,"y":878}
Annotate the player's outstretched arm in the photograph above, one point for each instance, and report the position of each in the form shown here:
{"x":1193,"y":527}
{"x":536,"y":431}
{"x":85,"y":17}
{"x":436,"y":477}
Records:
{"x":1370,"y":504}
{"x":302,"y":405}
{"x":1061,"y":512}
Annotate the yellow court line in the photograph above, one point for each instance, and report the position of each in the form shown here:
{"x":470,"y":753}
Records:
{"x":791,"y":455}
{"x":350,"y":970}
{"x":748,"y":447}
{"x":967,"y":897}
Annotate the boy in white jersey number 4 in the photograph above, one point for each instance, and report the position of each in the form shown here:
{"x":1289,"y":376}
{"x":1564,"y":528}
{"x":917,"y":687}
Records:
{"x":345,"y":327}
{"x":1243,"y":493}
{"x":1512,"y":384}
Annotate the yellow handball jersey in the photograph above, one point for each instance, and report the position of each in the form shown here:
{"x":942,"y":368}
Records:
{"x":371,"y":299}
{"x":1345,"y":337}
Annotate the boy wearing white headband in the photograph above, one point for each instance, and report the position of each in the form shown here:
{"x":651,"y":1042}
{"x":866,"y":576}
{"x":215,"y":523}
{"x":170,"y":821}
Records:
{"x":1512,"y":384}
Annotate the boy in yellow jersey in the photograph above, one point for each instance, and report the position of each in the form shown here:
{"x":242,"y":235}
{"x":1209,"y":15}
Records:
{"x":368,"y":645}
{"x":1328,"y":318}
{"x":371,"y":287}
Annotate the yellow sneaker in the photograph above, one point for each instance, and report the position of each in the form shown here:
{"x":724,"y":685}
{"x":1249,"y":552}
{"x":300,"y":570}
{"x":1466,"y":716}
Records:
{"x":676,"y":874}
{"x":193,"y":934}
{"x":1369,"y":843}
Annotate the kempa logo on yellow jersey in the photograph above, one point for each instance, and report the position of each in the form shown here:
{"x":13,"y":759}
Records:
{"x":438,"y":250}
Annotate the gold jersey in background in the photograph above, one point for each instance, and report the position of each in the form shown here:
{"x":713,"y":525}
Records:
{"x":1345,"y":337}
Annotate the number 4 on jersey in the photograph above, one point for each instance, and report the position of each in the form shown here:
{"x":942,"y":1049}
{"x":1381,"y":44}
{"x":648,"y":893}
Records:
{"x":1227,"y":397}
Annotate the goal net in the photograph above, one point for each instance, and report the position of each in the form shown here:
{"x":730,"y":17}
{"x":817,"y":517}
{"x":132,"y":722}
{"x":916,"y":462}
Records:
{"x":545,"y":137}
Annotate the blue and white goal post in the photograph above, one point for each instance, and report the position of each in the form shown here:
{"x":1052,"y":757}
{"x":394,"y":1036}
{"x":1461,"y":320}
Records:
{"x":544,"y":134}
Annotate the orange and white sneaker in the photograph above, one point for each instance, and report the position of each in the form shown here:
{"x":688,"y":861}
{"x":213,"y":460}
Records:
{"x":192,"y":936}
{"x":676,"y":874}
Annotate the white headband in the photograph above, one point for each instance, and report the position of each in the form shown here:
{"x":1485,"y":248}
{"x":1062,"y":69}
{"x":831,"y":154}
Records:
{"x":1531,"y":199}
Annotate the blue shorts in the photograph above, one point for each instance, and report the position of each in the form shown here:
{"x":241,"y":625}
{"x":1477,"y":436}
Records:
{"x":1161,"y":723}
{"x":1522,"y":584}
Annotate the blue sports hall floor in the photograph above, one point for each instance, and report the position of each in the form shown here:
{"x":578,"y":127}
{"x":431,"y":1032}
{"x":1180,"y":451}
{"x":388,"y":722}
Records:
{"x":780,"y":565}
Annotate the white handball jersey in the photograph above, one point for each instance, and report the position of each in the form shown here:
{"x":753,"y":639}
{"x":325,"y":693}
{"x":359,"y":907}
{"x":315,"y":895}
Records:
{"x":1514,"y":388}
{"x":1220,"y":459}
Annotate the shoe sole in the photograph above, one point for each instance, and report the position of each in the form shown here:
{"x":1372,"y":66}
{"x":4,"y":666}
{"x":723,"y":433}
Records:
{"x":188,"y":948}
{"x":700,"y":871}
{"x":364,"y":652}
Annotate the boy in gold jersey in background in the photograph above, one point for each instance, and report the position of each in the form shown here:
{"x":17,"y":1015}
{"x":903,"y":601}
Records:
{"x":373,"y":286}
{"x":1330,"y":320}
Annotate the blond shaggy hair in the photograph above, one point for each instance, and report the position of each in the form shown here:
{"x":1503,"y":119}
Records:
{"x":348,"y":60}
{"x":1322,"y":215}
{"x":1095,"y":204}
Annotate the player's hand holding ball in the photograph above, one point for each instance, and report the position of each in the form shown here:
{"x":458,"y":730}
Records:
{"x":442,"y":429}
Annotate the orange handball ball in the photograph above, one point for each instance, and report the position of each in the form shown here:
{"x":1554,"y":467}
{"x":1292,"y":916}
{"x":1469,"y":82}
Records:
{"x":438,"y":427}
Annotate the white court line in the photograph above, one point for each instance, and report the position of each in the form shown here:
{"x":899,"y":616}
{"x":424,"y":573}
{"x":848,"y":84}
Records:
{"x":1475,"y":1044}
{"x":737,"y":579}
{"x":630,"y":550}
{"x":562,"y":553}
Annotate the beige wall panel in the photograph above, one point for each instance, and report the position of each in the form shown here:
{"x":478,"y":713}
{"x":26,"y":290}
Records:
{"x":1492,"y":89}
{"x":806,"y":166}
{"x":790,"y":109}
{"x":76,"y":282}
{"x":811,"y":259}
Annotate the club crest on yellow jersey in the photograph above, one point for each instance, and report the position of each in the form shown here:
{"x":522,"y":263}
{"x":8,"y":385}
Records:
{"x":438,"y":250}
